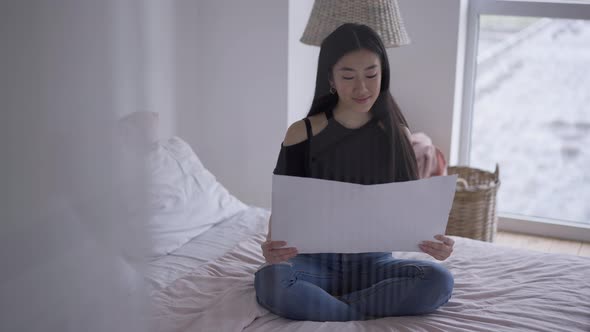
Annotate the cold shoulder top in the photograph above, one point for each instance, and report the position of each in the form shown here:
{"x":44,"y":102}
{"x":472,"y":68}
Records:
{"x":338,"y":153}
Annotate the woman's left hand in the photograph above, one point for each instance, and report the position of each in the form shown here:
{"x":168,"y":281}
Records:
{"x":440,"y":251}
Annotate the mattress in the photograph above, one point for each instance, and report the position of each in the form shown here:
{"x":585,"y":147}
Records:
{"x":496,"y":288}
{"x":206,"y":247}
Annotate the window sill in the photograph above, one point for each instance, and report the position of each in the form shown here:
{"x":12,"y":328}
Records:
{"x":544,"y":227}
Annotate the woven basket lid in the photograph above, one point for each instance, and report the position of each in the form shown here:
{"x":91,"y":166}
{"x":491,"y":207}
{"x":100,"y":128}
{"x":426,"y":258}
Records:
{"x":383,"y":16}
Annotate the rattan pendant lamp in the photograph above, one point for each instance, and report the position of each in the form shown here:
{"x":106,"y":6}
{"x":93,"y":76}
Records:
{"x":383,"y":16}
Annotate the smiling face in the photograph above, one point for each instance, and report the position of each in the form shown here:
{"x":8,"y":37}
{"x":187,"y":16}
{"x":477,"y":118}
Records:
{"x":356,"y":77}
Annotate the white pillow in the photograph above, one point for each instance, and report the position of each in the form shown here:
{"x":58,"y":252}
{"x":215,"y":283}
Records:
{"x":186,"y":199}
{"x":139,"y":130}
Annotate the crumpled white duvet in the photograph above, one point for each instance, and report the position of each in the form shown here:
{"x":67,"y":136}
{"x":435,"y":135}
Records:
{"x":496,"y":289}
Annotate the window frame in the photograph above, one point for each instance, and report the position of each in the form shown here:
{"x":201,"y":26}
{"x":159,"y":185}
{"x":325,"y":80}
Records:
{"x":555,"y":9}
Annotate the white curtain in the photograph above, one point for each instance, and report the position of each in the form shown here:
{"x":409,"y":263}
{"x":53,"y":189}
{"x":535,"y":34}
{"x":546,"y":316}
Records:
{"x":71,"y":204}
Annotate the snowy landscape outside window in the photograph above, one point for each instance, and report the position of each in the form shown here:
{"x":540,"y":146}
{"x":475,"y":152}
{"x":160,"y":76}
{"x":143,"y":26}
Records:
{"x":531,"y":114}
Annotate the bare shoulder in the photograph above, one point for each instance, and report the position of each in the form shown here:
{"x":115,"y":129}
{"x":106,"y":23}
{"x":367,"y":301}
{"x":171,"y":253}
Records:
{"x":297,"y":132}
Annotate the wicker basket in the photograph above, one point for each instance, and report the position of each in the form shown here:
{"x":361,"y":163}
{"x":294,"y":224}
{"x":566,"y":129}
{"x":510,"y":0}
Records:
{"x":473,"y":214}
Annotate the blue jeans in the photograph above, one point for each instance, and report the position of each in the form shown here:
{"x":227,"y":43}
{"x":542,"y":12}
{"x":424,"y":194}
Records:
{"x":343,"y":287}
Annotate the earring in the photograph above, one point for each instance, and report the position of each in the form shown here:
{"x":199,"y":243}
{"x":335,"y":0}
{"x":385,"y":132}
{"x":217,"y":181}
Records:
{"x":332,"y":90}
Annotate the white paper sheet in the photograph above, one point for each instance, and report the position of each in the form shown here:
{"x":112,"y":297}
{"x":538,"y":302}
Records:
{"x":317,"y":215}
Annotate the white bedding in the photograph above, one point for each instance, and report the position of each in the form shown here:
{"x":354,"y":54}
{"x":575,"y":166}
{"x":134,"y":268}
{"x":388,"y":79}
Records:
{"x":496,"y":289}
{"x":206,"y":247}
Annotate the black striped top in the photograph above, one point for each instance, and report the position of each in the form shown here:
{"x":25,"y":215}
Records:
{"x":337,"y":153}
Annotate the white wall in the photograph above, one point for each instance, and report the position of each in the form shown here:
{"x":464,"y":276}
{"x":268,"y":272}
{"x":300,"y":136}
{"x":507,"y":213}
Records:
{"x":158,"y":52}
{"x":303,"y":62}
{"x":143,"y":52}
{"x":423,"y":74}
{"x":231,"y":89}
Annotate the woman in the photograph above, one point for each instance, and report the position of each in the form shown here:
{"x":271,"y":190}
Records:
{"x":354,"y":133}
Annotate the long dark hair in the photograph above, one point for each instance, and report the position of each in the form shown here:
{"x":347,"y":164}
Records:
{"x":351,"y":37}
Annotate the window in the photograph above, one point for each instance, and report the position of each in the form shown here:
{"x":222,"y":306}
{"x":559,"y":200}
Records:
{"x":527,"y":108}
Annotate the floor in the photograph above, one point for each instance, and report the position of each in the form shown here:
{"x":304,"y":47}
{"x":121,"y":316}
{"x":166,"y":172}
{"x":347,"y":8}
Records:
{"x":543,"y":244}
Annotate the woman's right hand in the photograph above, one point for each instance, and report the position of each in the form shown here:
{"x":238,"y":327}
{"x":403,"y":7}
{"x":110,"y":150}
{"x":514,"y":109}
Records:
{"x":274,"y":252}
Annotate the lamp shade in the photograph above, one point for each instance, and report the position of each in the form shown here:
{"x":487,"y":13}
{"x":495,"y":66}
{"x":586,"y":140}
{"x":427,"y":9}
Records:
{"x":383,"y":16}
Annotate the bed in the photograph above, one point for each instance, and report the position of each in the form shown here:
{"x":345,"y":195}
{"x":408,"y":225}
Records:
{"x":208,"y":247}
{"x":207,"y":285}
